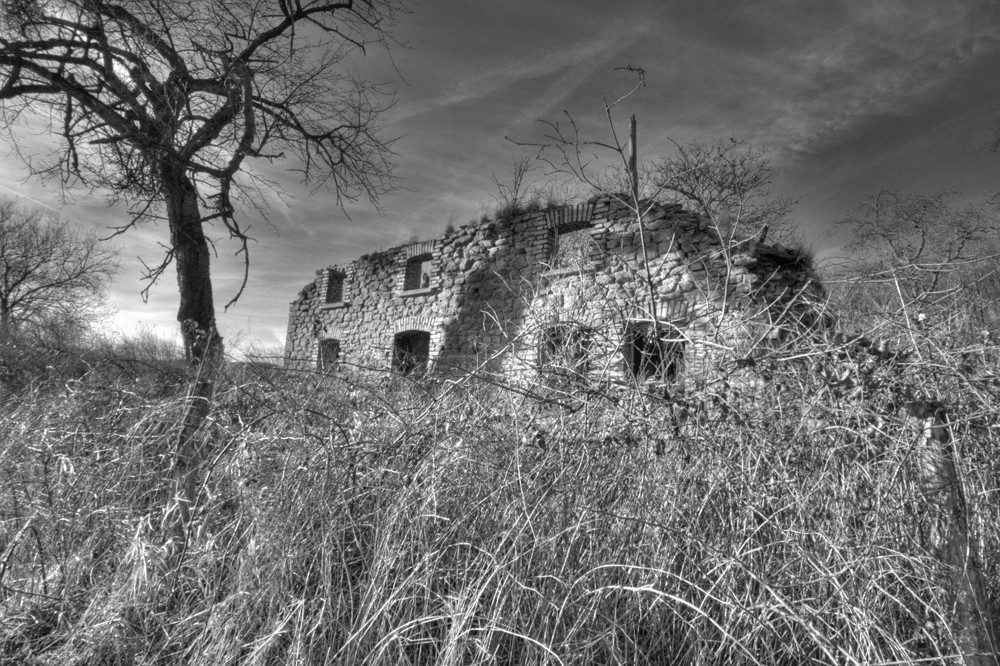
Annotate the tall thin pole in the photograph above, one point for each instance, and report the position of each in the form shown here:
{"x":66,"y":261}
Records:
{"x":633,"y":176}
{"x":633,"y":168}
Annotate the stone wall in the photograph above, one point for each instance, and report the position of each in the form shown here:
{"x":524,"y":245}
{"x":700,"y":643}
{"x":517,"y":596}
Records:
{"x":556,"y":290}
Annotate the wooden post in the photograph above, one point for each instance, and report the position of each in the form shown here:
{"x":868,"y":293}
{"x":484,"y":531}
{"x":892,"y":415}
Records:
{"x":975,"y":629}
{"x":633,"y":168}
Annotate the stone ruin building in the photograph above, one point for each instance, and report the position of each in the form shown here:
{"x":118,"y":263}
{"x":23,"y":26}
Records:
{"x":558,"y":291}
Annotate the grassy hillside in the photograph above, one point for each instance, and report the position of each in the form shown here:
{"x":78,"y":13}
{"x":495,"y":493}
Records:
{"x":772,"y":513}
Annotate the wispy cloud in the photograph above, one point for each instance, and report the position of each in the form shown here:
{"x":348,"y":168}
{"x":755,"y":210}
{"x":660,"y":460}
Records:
{"x":883,"y":60}
{"x":19,"y":194}
{"x":573,"y":60}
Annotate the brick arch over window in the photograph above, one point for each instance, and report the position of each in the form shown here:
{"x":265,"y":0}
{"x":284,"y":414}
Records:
{"x":329,"y":348}
{"x":417,"y":323}
{"x":569,"y":215}
{"x":332,"y":332}
{"x":405,"y":328}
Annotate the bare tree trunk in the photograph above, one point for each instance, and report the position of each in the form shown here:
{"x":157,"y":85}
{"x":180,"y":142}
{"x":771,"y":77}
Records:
{"x":196,"y":313}
{"x":186,"y":468}
{"x":202,"y":344}
{"x":5,"y":323}
{"x":975,"y":629}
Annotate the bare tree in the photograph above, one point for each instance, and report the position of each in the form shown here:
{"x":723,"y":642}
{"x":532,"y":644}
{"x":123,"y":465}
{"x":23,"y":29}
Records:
{"x":727,"y":182}
{"x":51,"y":276}
{"x":919,"y":255}
{"x":166,"y":105}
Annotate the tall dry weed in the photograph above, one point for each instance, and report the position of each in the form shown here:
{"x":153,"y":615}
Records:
{"x":370,"y":519}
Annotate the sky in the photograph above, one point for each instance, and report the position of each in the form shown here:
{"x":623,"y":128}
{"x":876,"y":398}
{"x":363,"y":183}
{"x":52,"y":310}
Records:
{"x":844,"y":96}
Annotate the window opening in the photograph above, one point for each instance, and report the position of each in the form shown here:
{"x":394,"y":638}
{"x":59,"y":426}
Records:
{"x":329,"y":355}
{"x":334,"y":287}
{"x":650,"y":357}
{"x":570,"y":245}
{"x":410,"y":352}
{"x":418,"y":273}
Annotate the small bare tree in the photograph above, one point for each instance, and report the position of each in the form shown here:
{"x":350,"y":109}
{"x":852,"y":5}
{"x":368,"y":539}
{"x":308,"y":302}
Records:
{"x":51,"y":276}
{"x":920,"y":250}
{"x":566,"y":153}
{"x":512,"y":192}
{"x":727,"y":182}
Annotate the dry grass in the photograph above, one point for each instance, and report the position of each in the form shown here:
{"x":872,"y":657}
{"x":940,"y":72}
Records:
{"x":364,"y":519}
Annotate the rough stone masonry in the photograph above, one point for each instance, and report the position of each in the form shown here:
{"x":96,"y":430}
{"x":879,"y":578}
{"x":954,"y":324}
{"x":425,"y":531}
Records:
{"x":565,"y":290}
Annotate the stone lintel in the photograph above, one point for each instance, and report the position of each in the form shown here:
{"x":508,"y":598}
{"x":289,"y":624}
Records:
{"x":423,"y":291}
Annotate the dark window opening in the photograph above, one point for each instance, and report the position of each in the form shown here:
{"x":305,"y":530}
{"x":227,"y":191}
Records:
{"x":334,"y":287}
{"x":410,"y":352}
{"x":329,"y":355}
{"x":565,"y":348}
{"x":418,"y":273}
{"x":654,"y":353}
